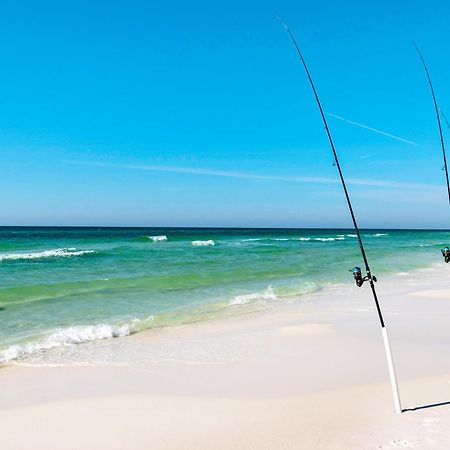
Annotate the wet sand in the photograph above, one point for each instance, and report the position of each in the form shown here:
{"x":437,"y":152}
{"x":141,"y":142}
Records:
{"x":309,"y":374}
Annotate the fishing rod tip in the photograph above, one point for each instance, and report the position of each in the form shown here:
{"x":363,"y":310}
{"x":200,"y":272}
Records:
{"x":277,"y":15}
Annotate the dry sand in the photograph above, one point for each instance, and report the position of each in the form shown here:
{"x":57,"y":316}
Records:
{"x":309,"y":374}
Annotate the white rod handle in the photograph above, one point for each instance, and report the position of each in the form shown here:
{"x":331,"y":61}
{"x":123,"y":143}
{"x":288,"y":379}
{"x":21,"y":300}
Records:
{"x":390,"y":362}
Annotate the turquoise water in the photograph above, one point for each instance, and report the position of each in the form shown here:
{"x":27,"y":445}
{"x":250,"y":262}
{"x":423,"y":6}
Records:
{"x":64,"y":286}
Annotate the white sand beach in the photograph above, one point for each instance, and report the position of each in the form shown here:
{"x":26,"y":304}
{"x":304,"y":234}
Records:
{"x":309,"y":374}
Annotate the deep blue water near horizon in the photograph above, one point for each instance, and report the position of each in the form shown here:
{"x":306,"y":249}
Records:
{"x":67,"y":285}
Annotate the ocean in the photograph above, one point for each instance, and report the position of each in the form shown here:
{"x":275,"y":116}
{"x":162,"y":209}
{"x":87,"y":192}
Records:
{"x":63,"y":286}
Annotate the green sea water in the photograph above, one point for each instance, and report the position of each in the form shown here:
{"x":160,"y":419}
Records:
{"x":66,"y":286}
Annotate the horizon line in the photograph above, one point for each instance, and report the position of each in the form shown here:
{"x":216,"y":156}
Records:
{"x":231,"y":227}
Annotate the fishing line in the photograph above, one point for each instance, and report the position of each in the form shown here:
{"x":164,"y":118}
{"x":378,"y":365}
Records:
{"x":446,"y":250}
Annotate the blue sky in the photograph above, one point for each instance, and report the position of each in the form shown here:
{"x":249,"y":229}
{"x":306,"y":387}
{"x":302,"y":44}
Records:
{"x":199,"y":113}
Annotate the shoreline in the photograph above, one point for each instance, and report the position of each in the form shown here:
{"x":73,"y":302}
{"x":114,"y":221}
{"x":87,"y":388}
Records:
{"x":311,"y":374}
{"x":261,"y":304}
{"x":123,"y":283}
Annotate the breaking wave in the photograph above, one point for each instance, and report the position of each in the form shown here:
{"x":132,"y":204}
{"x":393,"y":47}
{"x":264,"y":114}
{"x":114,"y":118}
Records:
{"x":203,"y":243}
{"x":339,"y":237}
{"x":268,"y":294}
{"x":321,"y":239}
{"x":74,"y":335}
{"x":267,"y":239}
{"x":329,"y":239}
{"x":158,"y":238}
{"x":58,"y":252}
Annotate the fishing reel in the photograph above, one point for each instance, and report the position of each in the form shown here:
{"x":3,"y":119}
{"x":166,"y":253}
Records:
{"x":359,"y":279}
{"x":446,"y":254}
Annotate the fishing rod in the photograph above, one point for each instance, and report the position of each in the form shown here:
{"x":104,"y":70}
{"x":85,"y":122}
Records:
{"x":446,"y":250}
{"x":359,"y":279}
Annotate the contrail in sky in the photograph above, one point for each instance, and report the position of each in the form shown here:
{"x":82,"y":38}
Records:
{"x":351,"y":122}
{"x":253,"y":176}
{"x":445,"y":118}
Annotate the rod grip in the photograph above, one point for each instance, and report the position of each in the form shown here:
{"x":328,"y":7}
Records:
{"x":392,"y":375}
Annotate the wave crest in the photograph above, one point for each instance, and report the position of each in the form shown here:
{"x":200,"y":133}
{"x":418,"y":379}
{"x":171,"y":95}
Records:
{"x":268,"y":294}
{"x":209,"y":242}
{"x":58,"y":252}
{"x":74,"y":335}
{"x":161,"y":238}
{"x":329,"y":239}
{"x":340,"y":237}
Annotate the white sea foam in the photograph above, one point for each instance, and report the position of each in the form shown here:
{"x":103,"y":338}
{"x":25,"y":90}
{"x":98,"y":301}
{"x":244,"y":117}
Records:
{"x":58,"y":252}
{"x":352,"y":235}
{"x":339,"y":237}
{"x":268,"y":294}
{"x":380,"y":234}
{"x":65,"y":337}
{"x":158,"y":238}
{"x":203,"y":243}
{"x":273,"y":239}
{"x":322,"y":239}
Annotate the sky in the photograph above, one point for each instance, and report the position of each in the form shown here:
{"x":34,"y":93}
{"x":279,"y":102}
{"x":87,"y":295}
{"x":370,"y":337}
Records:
{"x":199,"y":113}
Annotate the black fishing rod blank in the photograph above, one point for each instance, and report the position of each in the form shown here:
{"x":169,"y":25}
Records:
{"x":438,"y":118}
{"x":446,"y":250}
{"x":359,"y":279}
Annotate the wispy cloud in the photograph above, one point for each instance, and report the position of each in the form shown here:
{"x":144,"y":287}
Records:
{"x":375,"y":130}
{"x":252,"y":176}
{"x":170,"y":189}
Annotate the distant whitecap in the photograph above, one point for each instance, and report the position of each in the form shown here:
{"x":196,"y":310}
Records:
{"x":207,"y":243}
{"x":158,"y":238}
{"x":58,"y":252}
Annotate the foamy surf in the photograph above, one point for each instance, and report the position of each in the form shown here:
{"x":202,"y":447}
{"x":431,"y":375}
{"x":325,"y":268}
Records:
{"x":64,"y":337}
{"x":58,"y":252}
{"x":161,"y":238}
{"x":207,"y":243}
{"x":74,"y":335}
{"x":54,"y":278}
{"x":339,"y":237}
{"x":244,"y":299}
{"x":321,"y":239}
{"x":329,"y":239}
{"x":267,"y":239}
